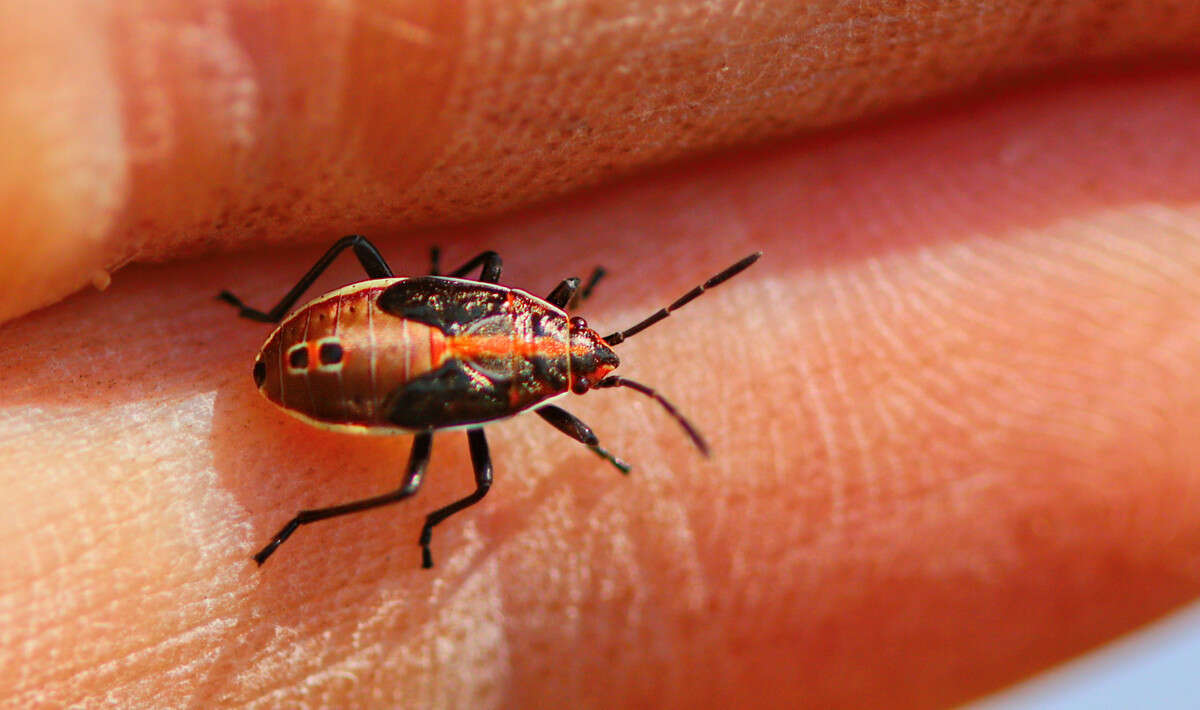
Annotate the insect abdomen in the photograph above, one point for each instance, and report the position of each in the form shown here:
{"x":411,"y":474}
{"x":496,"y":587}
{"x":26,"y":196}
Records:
{"x":336,"y":360}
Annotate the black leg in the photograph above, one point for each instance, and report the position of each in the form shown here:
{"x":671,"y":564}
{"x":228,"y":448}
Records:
{"x":490,"y":273}
{"x":567,"y":295}
{"x":482,"y":461}
{"x":585,"y":293}
{"x":435,"y":261}
{"x":370,"y":258}
{"x":570,"y":425}
{"x":563,"y":293}
{"x":417,"y":461}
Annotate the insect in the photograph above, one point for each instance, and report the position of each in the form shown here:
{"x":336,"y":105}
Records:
{"x":430,"y":353}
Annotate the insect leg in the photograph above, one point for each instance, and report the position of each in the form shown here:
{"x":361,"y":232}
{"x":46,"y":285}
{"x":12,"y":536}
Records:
{"x":570,"y":425}
{"x":585,"y":293}
{"x":482,"y":462}
{"x":490,"y":273}
{"x":370,"y":258}
{"x":567,"y":295}
{"x":563,"y":293}
{"x":417,"y":461}
{"x":435,"y":261}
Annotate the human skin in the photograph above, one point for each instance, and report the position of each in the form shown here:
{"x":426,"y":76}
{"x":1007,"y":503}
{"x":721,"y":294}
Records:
{"x":953,"y":410}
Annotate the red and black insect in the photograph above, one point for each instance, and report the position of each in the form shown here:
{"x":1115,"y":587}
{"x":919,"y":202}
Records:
{"x":417,"y":355}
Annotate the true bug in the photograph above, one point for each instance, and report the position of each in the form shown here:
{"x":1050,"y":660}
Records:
{"x":417,"y":355}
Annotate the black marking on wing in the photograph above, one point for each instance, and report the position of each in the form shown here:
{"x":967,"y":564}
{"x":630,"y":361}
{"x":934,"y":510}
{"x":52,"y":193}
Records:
{"x":452,"y":395}
{"x":449,"y":306}
{"x":549,"y":370}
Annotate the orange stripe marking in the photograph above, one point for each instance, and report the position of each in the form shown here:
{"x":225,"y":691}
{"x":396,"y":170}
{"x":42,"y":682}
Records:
{"x":473,"y":346}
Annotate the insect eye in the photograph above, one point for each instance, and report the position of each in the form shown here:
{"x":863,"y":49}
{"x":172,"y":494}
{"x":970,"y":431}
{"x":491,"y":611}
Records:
{"x":578,"y":323}
{"x":581,"y":385}
{"x":298,"y":357}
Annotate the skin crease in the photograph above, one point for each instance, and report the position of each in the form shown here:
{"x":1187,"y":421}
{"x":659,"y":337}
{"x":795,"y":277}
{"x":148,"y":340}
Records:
{"x":953,"y":409}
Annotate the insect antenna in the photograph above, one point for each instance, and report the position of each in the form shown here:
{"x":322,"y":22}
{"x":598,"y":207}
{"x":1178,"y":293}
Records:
{"x":615,"y":381}
{"x":683,"y":300}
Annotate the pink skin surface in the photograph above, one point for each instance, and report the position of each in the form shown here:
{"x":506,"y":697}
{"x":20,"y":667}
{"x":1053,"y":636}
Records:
{"x":953,"y":410}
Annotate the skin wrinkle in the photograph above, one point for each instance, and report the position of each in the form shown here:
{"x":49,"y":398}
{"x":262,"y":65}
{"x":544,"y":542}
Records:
{"x":158,"y":652}
{"x":101,"y":543}
{"x":835,"y":469}
{"x":1058,"y":272}
{"x":893,"y":350}
{"x":857,"y":443}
